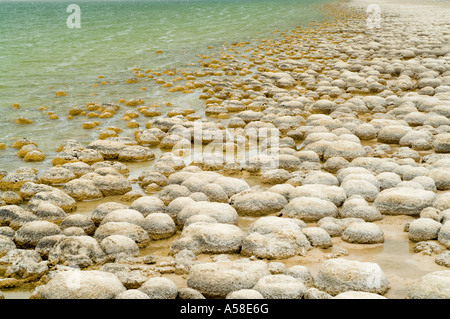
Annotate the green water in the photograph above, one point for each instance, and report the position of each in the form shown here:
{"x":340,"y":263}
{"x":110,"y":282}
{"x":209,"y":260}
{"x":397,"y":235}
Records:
{"x":40,"y":55}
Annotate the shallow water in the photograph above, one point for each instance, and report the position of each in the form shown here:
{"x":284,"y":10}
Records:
{"x":40,"y":55}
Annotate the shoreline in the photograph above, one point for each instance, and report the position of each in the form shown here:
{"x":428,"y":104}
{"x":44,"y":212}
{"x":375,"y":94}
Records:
{"x":326,"y":62}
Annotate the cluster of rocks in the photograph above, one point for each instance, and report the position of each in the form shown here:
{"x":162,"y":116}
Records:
{"x":361,"y":131}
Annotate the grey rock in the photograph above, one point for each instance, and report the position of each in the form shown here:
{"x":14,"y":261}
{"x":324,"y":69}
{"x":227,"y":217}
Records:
{"x":147,"y":205}
{"x":255,"y":203}
{"x":135,"y":232}
{"x":91,"y":284}
{"x":119,"y":246}
{"x":363,"y":233}
{"x":79,"y":220}
{"x":309,"y":209}
{"x":221,"y":212}
{"x":280,"y":287}
{"x":444,"y":234}
{"x":424,"y":229}
{"x":29,"y":235}
{"x":275,"y":238}
{"x":82,"y":251}
{"x":245,"y":294}
{"x":434,"y":285}
{"x":103,"y":209}
{"x":160,"y":288}
{"x":132,"y":294}
{"x":318,"y":237}
{"x":210,"y":238}
{"x":340,"y":275}
{"x":218,"y":279}
{"x":159,"y":226}
{"x":404,"y":201}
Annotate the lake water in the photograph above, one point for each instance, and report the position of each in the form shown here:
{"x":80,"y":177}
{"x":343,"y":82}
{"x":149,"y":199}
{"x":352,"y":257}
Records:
{"x":41,"y":53}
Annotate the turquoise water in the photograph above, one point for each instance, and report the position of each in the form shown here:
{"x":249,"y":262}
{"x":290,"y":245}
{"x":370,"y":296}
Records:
{"x":40,"y":55}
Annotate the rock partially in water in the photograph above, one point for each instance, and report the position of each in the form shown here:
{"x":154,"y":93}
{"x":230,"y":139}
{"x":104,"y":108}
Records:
{"x":218,"y":279}
{"x":29,"y":189}
{"x":221,"y":212}
{"x":171,"y":192}
{"x":318,"y":237}
{"x":79,"y":220}
{"x":346,"y":149}
{"x":443,"y":259}
{"x":147,"y":205}
{"x":441,"y":143}
{"x":103,"y":209}
{"x":275,"y":238}
{"x":82,"y":189}
{"x":334,"y":194}
{"x":111,"y":183}
{"x":14,"y":181}
{"x":363,"y":233}
{"x":280,"y":287}
{"x":301,"y":273}
{"x":358,"y":295}
{"x":135,"y":232}
{"x":92,"y":284}
{"x":255,"y":203}
{"x":6,"y":244}
{"x":441,"y":177}
{"x":159,"y":226}
{"x":82,"y":251}
{"x":444,"y":234}
{"x":57,"y":176}
{"x":119,"y":246}
{"x":29,"y":234}
{"x":55,"y":197}
{"x":309,"y":209}
{"x":404,"y":201}
{"x":340,"y":275}
{"x":159,"y":288}
{"x":360,"y":187}
{"x":245,"y":294}
{"x":212,"y":238}
{"x":132,"y":294}
{"x":357,"y":207}
{"x":50,"y":212}
{"x":423,"y":229}
{"x":189,"y":293}
{"x":435,"y":285}
{"x":124,"y":215}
